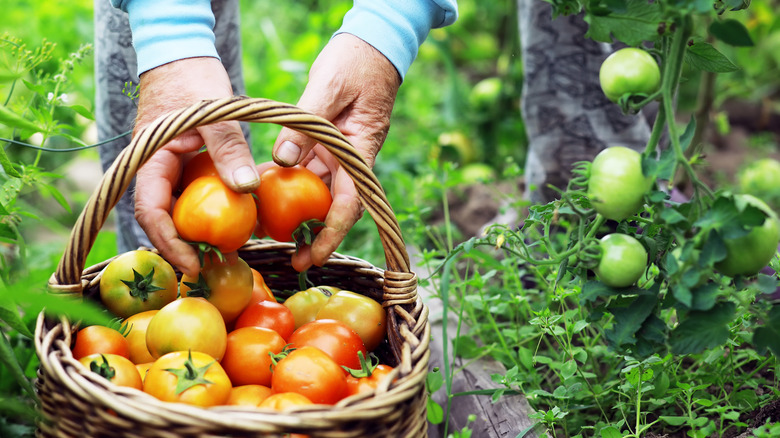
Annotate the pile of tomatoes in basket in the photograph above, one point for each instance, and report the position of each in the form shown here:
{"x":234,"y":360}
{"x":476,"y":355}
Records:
{"x":222,"y":338}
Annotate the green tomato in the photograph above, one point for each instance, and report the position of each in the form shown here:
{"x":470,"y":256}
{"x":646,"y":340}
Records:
{"x":761,"y":178}
{"x":749,"y":253}
{"x":305,"y":304}
{"x":623,"y":260}
{"x":137,"y":281}
{"x":617,"y":187}
{"x":629,"y":71}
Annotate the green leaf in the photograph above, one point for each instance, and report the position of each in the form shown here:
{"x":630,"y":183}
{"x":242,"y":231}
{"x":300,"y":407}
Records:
{"x":687,"y":136}
{"x":51,"y":190}
{"x":704,"y":56}
{"x":568,"y":369}
{"x":713,"y":250}
{"x":9,"y":314}
{"x":674,"y":421}
{"x":703,"y":330}
{"x":593,"y":290}
{"x":705,"y":296}
{"x":7,"y":165}
{"x":434,"y":381}
{"x":83,"y":111}
{"x":11,"y":363}
{"x":629,"y":319}
{"x":731,"y":32}
{"x":766,"y":337}
{"x":636,"y":24}
{"x":15,"y":121}
{"x":435,"y":412}
{"x":466,"y":346}
{"x":666,"y":164}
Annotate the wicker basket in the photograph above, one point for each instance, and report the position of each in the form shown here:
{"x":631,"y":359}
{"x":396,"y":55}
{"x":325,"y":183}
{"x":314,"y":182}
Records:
{"x":78,"y":403}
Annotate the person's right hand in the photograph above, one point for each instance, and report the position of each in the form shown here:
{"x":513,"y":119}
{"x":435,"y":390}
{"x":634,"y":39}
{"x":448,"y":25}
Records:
{"x":171,"y":87}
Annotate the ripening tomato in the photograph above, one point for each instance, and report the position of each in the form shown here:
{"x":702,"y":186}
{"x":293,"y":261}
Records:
{"x":333,"y":337}
{"x":99,"y":339}
{"x":268,"y":314}
{"x":247,"y":357}
{"x":208,"y":211}
{"x":629,"y":71}
{"x":260,"y":290}
{"x":312,"y":373}
{"x":248,"y":395}
{"x":228,"y":286}
{"x":137,"y":281}
{"x":188,"y":377}
{"x":617,"y":186}
{"x":623,"y":260}
{"x":288,"y":197}
{"x":362,"y":314}
{"x":368,"y":383}
{"x":187,"y":324}
{"x":305,"y":304}
{"x":117,"y":369}
{"x":143,"y":368}
{"x":136,"y":336}
{"x":199,"y":165}
{"x":284,"y":401}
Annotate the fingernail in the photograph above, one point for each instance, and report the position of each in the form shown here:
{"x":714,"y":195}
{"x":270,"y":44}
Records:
{"x":245,"y":176}
{"x":288,"y":153}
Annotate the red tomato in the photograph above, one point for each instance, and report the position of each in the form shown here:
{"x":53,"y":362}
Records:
{"x":358,"y":385}
{"x":228,"y":286}
{"x":248,"y":395}
{"x":312,"y":373}
{"x":187,"y":324}
{"x":188,"y":377}
{"x":260,"y":290}
{"x":99,"y":339}
{"x":268,"y":314}
{"x":247,"y":357}
{"x":289,"y":196}
{"x":200,"y":165}
{"x":118,"y":369}
{"x":210,"y":212}
{"x":362,"y":314}
{"x":333,"y":337}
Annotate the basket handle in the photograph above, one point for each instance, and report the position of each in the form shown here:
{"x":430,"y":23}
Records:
{"x":67,"y":277}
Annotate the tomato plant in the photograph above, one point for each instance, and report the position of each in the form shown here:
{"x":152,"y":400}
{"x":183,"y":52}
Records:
{"x":617,"y":186}
{"x":199,"y":165}
{"x":623,"y":260}
{"x":288,"y":197}
{"x":137,"y":281}
{"x":333,"y":337}
{"x":305,"y":304}
{"x":248,"y":395}
{"x":268,"y":314}
{"x":362,"y":314}
{"x":190,"y":377}
{"x":247,"y":358}
{"x":99,"y":339}
{"x":225,"y":284}
{"x":136,"y":336}
{"x":209,"y":212}
{"x":187,"y":324}
{"x":629,"y":71}
{"x":746,"y":254}
{"x":118,"y":369}
{"x":310,"y":372}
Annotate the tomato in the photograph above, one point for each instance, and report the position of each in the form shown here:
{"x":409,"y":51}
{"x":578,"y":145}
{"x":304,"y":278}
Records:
{"x":761,"y":178}
{"x":247,"y":357}
{"x":137,"y":281}
{"x":199,"y":165}
{"x":747,"y":254}
{"x":334,"y":338}
{"x":312,"y":373}
{"x":284,"y":401}
{"x":187,"y":324}
{"x":136,"y":336}
{"x":143,"y":368}
{"x":188,"y":377}
{"x":623,"y":260}
{"x":362,"y":314}
{"x":260,"y":290}
{"x":268,"y":314}
{"x":117,"y":369}
{"x":629,"y":71}
{"x":305,"y":304}
{"x":616,"y":186}
{"x":208,"y":211}
{"x":288,"y":197}
{"x":248,"y":395}
{"x":228,"y":286}
{"x":99,"y":339}
{"x":368,"y":383}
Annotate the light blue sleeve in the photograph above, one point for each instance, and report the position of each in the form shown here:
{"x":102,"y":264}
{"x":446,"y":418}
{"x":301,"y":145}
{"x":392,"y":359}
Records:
{"x":169,"y":30}
{"x":397,"y":28}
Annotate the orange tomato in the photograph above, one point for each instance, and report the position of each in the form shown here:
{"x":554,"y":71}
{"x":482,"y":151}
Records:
{"x":312,"y":373}
{"x":260,"y":290}
{"x":99,"y":339}
{"x":284,"y":401}
{"x":136,"y":336}
{"x":199,"y":165}
{"x":188,"y":377}
{"x":228,"y":286}
{"x":248,"y":395}
{"x":143,"y":368}
{"x":117,"y":369}
{"x":268,"y":314}
{"x":187,"y":324}
{"x":247,"y":357}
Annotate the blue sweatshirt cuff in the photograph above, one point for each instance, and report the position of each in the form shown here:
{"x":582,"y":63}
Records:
{"x":397,"y":28}
{"x":169,"y":30}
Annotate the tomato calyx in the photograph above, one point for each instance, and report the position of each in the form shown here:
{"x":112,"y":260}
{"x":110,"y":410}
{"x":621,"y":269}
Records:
{"x":276,"y":357}
{"x":141,"y":285}
{"x":305,"y":233}
{"x":190,"y":375}
{"x":199,"y":288}
{"x":207,"y":249}
{"x":104,"y":369}
{"x":367,"y":366}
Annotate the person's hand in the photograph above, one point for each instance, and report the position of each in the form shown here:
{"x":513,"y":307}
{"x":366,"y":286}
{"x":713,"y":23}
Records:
{"x":170,"y":87}
{"x":354,"y":86}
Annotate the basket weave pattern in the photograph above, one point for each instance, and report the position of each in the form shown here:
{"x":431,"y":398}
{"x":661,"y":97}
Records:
{"x":78,"y":403}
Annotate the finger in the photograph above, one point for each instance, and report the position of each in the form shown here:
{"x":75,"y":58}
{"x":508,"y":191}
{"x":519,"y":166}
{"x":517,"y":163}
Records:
{"x":231,"y":155}
{"x":301,"y":260}
{"x":344,"y":212}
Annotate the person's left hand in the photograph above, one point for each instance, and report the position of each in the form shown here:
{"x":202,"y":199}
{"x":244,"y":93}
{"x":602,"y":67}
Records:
{"x":354,"y":86}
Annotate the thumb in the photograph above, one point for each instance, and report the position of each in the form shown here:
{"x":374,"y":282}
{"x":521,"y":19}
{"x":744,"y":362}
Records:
{"x":231,"y":155}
